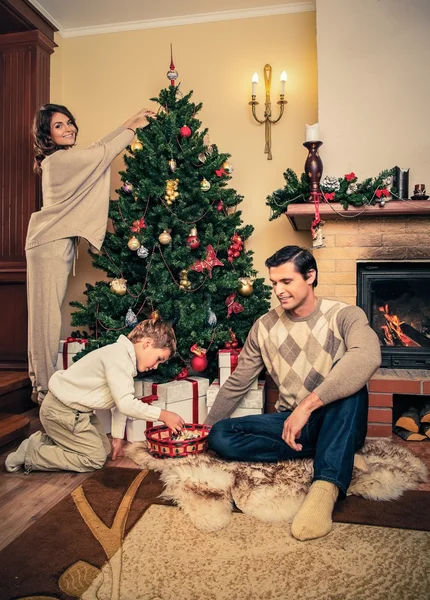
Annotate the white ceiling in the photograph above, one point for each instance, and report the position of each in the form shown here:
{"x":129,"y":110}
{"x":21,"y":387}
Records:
{"x":89,"y":17}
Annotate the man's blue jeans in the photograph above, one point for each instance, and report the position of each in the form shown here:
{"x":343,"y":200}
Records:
{"x":333,"y":434}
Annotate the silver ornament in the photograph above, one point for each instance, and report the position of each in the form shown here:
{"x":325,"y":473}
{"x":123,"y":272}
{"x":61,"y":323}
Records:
{"x":142,"y":252}
{"x":130,"y":318}
{"x":212,"y":320}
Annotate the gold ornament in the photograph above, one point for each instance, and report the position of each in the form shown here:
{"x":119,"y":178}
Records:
{"x":205,"y":185}
{"x":246,"y":286}
{"x":165,"y":238}
{"x":171,"y":190}
{"x":118,"y":286}
{"x":135,"y":146}
{"x":172,"y":165}
{"x":184,"y":284}
{"x":133,"y":243}
{"x":228,"y":167}
{"x":202,"y":157}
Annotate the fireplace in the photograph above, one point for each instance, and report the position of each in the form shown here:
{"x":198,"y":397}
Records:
{"x":396,"y":299}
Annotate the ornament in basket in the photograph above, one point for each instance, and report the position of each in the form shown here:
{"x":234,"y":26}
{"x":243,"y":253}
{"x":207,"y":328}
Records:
{"x":163,"y":443}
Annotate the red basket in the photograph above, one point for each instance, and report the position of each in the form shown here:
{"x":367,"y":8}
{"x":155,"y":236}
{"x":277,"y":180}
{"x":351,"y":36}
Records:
{"x":160,"y":443}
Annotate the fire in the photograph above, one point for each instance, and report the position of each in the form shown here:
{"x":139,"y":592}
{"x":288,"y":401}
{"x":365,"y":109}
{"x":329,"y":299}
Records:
{"x":393,"y":330}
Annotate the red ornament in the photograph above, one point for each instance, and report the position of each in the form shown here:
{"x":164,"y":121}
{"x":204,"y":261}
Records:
{"x":234,"y":344}
{"x":185,"y":131}
{"x":193,"y":240}
{"x":227,"y":345}
{"x":330,"y":196}
{"x":207,"y":263}
{"x":220,"y":206}
{"x":199,"y":363}
{"x":382,"y":192}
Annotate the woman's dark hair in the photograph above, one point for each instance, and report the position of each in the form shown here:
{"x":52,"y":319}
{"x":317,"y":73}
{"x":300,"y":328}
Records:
{"x":43,"y":144}
{"x":301,"y":258}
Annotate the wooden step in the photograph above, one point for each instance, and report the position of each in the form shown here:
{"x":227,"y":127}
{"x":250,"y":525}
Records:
{"x":15,"y":392}
{"x":13,"y":427}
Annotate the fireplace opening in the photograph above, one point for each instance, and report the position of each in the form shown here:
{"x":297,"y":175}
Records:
{"x":396,"y":300}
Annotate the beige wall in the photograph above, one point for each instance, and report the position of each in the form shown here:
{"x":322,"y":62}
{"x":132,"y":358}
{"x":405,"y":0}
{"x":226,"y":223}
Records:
{"x":374,"y":85}
{"x":104,"y":79}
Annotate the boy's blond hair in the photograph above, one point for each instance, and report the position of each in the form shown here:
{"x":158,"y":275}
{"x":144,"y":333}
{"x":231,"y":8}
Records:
{"x":162,"y":334}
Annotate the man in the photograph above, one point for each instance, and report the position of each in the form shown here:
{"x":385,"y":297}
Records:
{"x":320,"y":353}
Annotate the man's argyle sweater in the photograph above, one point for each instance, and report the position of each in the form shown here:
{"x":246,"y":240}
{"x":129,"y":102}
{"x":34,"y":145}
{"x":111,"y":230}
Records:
{"x":299,"y":354}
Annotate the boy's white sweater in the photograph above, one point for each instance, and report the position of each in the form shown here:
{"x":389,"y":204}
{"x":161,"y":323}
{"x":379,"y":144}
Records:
{"x":104,"y":379}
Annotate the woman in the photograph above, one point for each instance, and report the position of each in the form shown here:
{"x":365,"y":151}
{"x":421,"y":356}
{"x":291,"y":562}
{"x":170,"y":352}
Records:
{"x":75,"y":189}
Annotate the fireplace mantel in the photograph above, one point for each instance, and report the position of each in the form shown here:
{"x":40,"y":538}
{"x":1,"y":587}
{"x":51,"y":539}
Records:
{"x":301,"y":215}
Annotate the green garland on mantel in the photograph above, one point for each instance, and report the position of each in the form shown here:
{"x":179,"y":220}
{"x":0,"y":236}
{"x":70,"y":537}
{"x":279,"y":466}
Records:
{"x":347,"y":191}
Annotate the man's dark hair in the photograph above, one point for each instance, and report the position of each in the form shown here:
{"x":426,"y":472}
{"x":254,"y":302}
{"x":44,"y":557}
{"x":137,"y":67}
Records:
{"x":301,"y":258}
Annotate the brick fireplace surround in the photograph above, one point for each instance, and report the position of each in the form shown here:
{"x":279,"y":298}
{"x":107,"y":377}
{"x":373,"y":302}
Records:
{"x":400,"y":231}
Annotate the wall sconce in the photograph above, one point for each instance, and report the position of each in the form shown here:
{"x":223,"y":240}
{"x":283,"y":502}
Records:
{"x":268,"y":121}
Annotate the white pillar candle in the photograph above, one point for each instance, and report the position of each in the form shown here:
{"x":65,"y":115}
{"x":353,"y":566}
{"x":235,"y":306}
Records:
{"x":283,"y":80}
{"x":313,"y":133}
{"x":254,"y":83}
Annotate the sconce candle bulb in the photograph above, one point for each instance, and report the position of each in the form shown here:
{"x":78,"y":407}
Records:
{"x":283,"y":81}
{"x":254,"y":83}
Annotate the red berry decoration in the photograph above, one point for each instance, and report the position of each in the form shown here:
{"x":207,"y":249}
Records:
{"x":185,"y":131}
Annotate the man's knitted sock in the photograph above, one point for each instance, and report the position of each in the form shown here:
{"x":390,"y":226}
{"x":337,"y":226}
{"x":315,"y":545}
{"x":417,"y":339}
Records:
{"x":16,"y":459}
{"x":314,"y":517}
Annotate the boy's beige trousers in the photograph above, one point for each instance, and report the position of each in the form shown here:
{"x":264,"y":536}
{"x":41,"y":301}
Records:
{"x":74,"y":440}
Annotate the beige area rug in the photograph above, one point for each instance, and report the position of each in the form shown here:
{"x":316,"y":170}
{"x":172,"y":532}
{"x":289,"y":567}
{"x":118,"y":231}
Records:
{"x":206,"y":488}
{"x":165,"y":558}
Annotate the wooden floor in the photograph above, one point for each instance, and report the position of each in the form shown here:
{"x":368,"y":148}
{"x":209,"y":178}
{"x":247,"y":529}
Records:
{"x":25,"y":498}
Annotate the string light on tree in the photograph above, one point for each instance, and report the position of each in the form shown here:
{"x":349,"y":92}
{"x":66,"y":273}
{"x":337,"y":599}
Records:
{"x":172,"y":165}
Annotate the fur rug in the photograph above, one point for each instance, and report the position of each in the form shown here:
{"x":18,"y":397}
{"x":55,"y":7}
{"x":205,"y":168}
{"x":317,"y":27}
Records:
{"x":205,"y":487}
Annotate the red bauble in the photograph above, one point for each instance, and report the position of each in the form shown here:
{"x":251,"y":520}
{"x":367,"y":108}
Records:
{"x":220,"y":205}
{"x":236,"y":254}
{"x":199,"y":363}
{"x":234,"y":344}
{"x":230,"y":259}
{"x":227,"y":345}
{"x":185,"y":131}
{"x":193,"y":242}
{"x":235,"y":247}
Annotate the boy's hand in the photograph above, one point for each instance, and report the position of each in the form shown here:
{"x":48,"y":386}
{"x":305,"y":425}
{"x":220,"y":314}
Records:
{"x":117,"y":448}
{"x":172,"y":420}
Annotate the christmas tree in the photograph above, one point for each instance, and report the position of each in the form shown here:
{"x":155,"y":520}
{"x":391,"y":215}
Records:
{"x":178,"y":245}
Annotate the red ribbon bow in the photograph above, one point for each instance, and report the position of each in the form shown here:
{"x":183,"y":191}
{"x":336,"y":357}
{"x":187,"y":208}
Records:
{"x":138,"y":225}
{"x":232,"y":306}
{"x":350,"y":176}
{"x":207,"y":263}
{"x":382,"y":192}
{"x":329,"y":196}
{"x":220,"y":172}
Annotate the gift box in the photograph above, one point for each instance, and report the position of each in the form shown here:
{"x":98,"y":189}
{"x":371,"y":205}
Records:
{"x":67,"y":350}
{"x":251,"y":404}
{"x":186,"y":397}
{"x":135,"y":428}
{"x":227,"y":363}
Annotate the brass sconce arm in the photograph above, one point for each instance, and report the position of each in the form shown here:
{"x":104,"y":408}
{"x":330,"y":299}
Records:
{"x":267,"y":120}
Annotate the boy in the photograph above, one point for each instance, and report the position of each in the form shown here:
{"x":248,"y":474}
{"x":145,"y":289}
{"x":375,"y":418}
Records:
{"x":74,"y":438}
